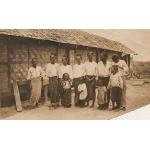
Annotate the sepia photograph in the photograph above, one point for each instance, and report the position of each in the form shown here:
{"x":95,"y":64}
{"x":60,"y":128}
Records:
{"x":74,"y":74}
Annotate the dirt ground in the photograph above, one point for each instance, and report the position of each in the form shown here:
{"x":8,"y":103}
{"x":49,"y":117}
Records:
{"x":137,"y":96}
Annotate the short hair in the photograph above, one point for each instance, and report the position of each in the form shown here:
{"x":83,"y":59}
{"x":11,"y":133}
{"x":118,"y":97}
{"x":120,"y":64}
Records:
{"x":104,"y":54}
{"x":115,"y":57}
{"x":115,"y":67}
{"x":90,"y":53}
{"x":78,"y":55}
{"x":33,"y":59}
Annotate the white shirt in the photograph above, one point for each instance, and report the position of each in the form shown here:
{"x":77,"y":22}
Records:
{"x":116,"y":80}
{"x":35,"y":72}
{"x":78,"y":70}
{"x":103,"y":70}
{"x":122,"y":64}
{"x":65,"y":69}
{"x":52,"y":70}
{"x":83,"y":94}
{"x":90,"y":68}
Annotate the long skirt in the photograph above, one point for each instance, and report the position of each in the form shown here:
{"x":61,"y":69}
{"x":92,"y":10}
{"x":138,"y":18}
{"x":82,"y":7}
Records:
{"x":123,"y":100}
{"x":76,"y":82}
{"x":66,"y":97}
{"x":36,"y":86}
{"x":54,"y":90}
{"x":91,"y":85}
{"x":105,"y":81}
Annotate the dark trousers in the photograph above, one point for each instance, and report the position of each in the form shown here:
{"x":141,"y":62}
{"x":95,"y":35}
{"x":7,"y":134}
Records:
{"x":76,"y":82}
{"x":53,"y":90}
{"x":66,"y":97}
{"x":116,"y":95}
{"x":91,"y":86}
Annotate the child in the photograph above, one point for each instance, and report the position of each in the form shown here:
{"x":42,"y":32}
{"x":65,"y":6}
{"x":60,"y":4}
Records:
{"x":115,"y":85}
{"x":102,"y":95}
{"x":82,"y":90}
{"x":66,"y":90}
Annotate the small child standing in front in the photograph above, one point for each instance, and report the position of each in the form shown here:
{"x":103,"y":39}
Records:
{"x":82,"y":90}
{"x":115,"y":85}
{"x":102,"y":95}
{"x":66,"y":90}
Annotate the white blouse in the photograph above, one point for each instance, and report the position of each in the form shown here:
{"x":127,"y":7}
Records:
{"x":35,"y":72}
{"x":90,"y":68}
{"x":52,"y":70}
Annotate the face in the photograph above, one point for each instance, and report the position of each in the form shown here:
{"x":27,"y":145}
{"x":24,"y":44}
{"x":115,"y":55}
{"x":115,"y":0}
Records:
{"x":115,"y":59}
{"x":52,"y":59}
{"x":66,"y":76}
{"x":114,"y":70}
{"x":90,"y":57}
{"x":78,"y":59}
{"x":64,"y":61}
{"x":34,"y":62}
{"x":103,"y":57}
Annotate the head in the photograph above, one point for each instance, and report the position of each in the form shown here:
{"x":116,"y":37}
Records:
{"x":115,"y":58}
{"x":103,"y":56}
{"x":34,"y":62}
{"x":114,"y":69}
{"x":65,"y":60}
{"x":78,"y":58}
{"x":66,"y":76}
{"x":90,"y":56}
{"x":52,"y":58}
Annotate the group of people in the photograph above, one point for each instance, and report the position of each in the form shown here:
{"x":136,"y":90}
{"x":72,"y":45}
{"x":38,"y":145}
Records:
{"x":109,"y":78}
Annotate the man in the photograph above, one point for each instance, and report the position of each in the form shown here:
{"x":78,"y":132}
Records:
{"x":35,"y":74}
{"x":64,"y":68}
{"x":78,"y":75}
{"x":90,"y":78}
{"x":103,"y":73}
{"x":123,"y":69}
{"x":52,"y":73}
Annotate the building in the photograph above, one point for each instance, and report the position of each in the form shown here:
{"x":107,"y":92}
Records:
{"x":18,"y":47}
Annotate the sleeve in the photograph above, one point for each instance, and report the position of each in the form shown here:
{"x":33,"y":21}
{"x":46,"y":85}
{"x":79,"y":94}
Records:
{"x":95,"y":69}
{"x":42,"y":72}
{"x":59,"y":72}
{"x":125,"y":66}
{"x":121,"y":82}
{"x":84,"y":70}
{"x":71,"y":72}
{"x":46,"y":70}
{"x":109,"y":83}
{"x":29,"y":75}
{"x":58,"y":69}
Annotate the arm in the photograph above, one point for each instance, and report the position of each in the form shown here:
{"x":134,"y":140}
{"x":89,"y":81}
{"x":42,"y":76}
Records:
{"x":121,"y":82}
{"x":29,"y":75}
{"x":125,"y":66}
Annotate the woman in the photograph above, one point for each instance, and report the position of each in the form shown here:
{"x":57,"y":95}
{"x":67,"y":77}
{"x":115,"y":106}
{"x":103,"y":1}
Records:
{"x":103,"y":73}
{"x":35,"y":74}
{"x":123,"y":70}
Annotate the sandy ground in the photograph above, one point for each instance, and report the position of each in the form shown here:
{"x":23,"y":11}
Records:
{"x":137,"y":96}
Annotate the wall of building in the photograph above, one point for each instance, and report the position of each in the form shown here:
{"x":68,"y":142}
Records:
{"x":16,"y":55}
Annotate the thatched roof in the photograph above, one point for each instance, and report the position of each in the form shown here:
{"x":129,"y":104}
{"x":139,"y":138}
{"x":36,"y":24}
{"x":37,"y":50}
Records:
{"x":76,"y":37}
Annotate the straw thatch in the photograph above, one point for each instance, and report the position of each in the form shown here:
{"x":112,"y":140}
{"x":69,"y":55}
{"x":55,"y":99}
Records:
{"x":75,"y":37}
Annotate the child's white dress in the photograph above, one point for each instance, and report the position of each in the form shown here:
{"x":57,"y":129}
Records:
{"x":83,"y":94}
{"x":102,"y":95}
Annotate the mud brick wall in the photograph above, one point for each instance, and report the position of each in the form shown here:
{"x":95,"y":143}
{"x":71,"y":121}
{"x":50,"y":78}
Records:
{"x":84,"y":52}
{"x":42,"y":52}
{"x":18,"y":59}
